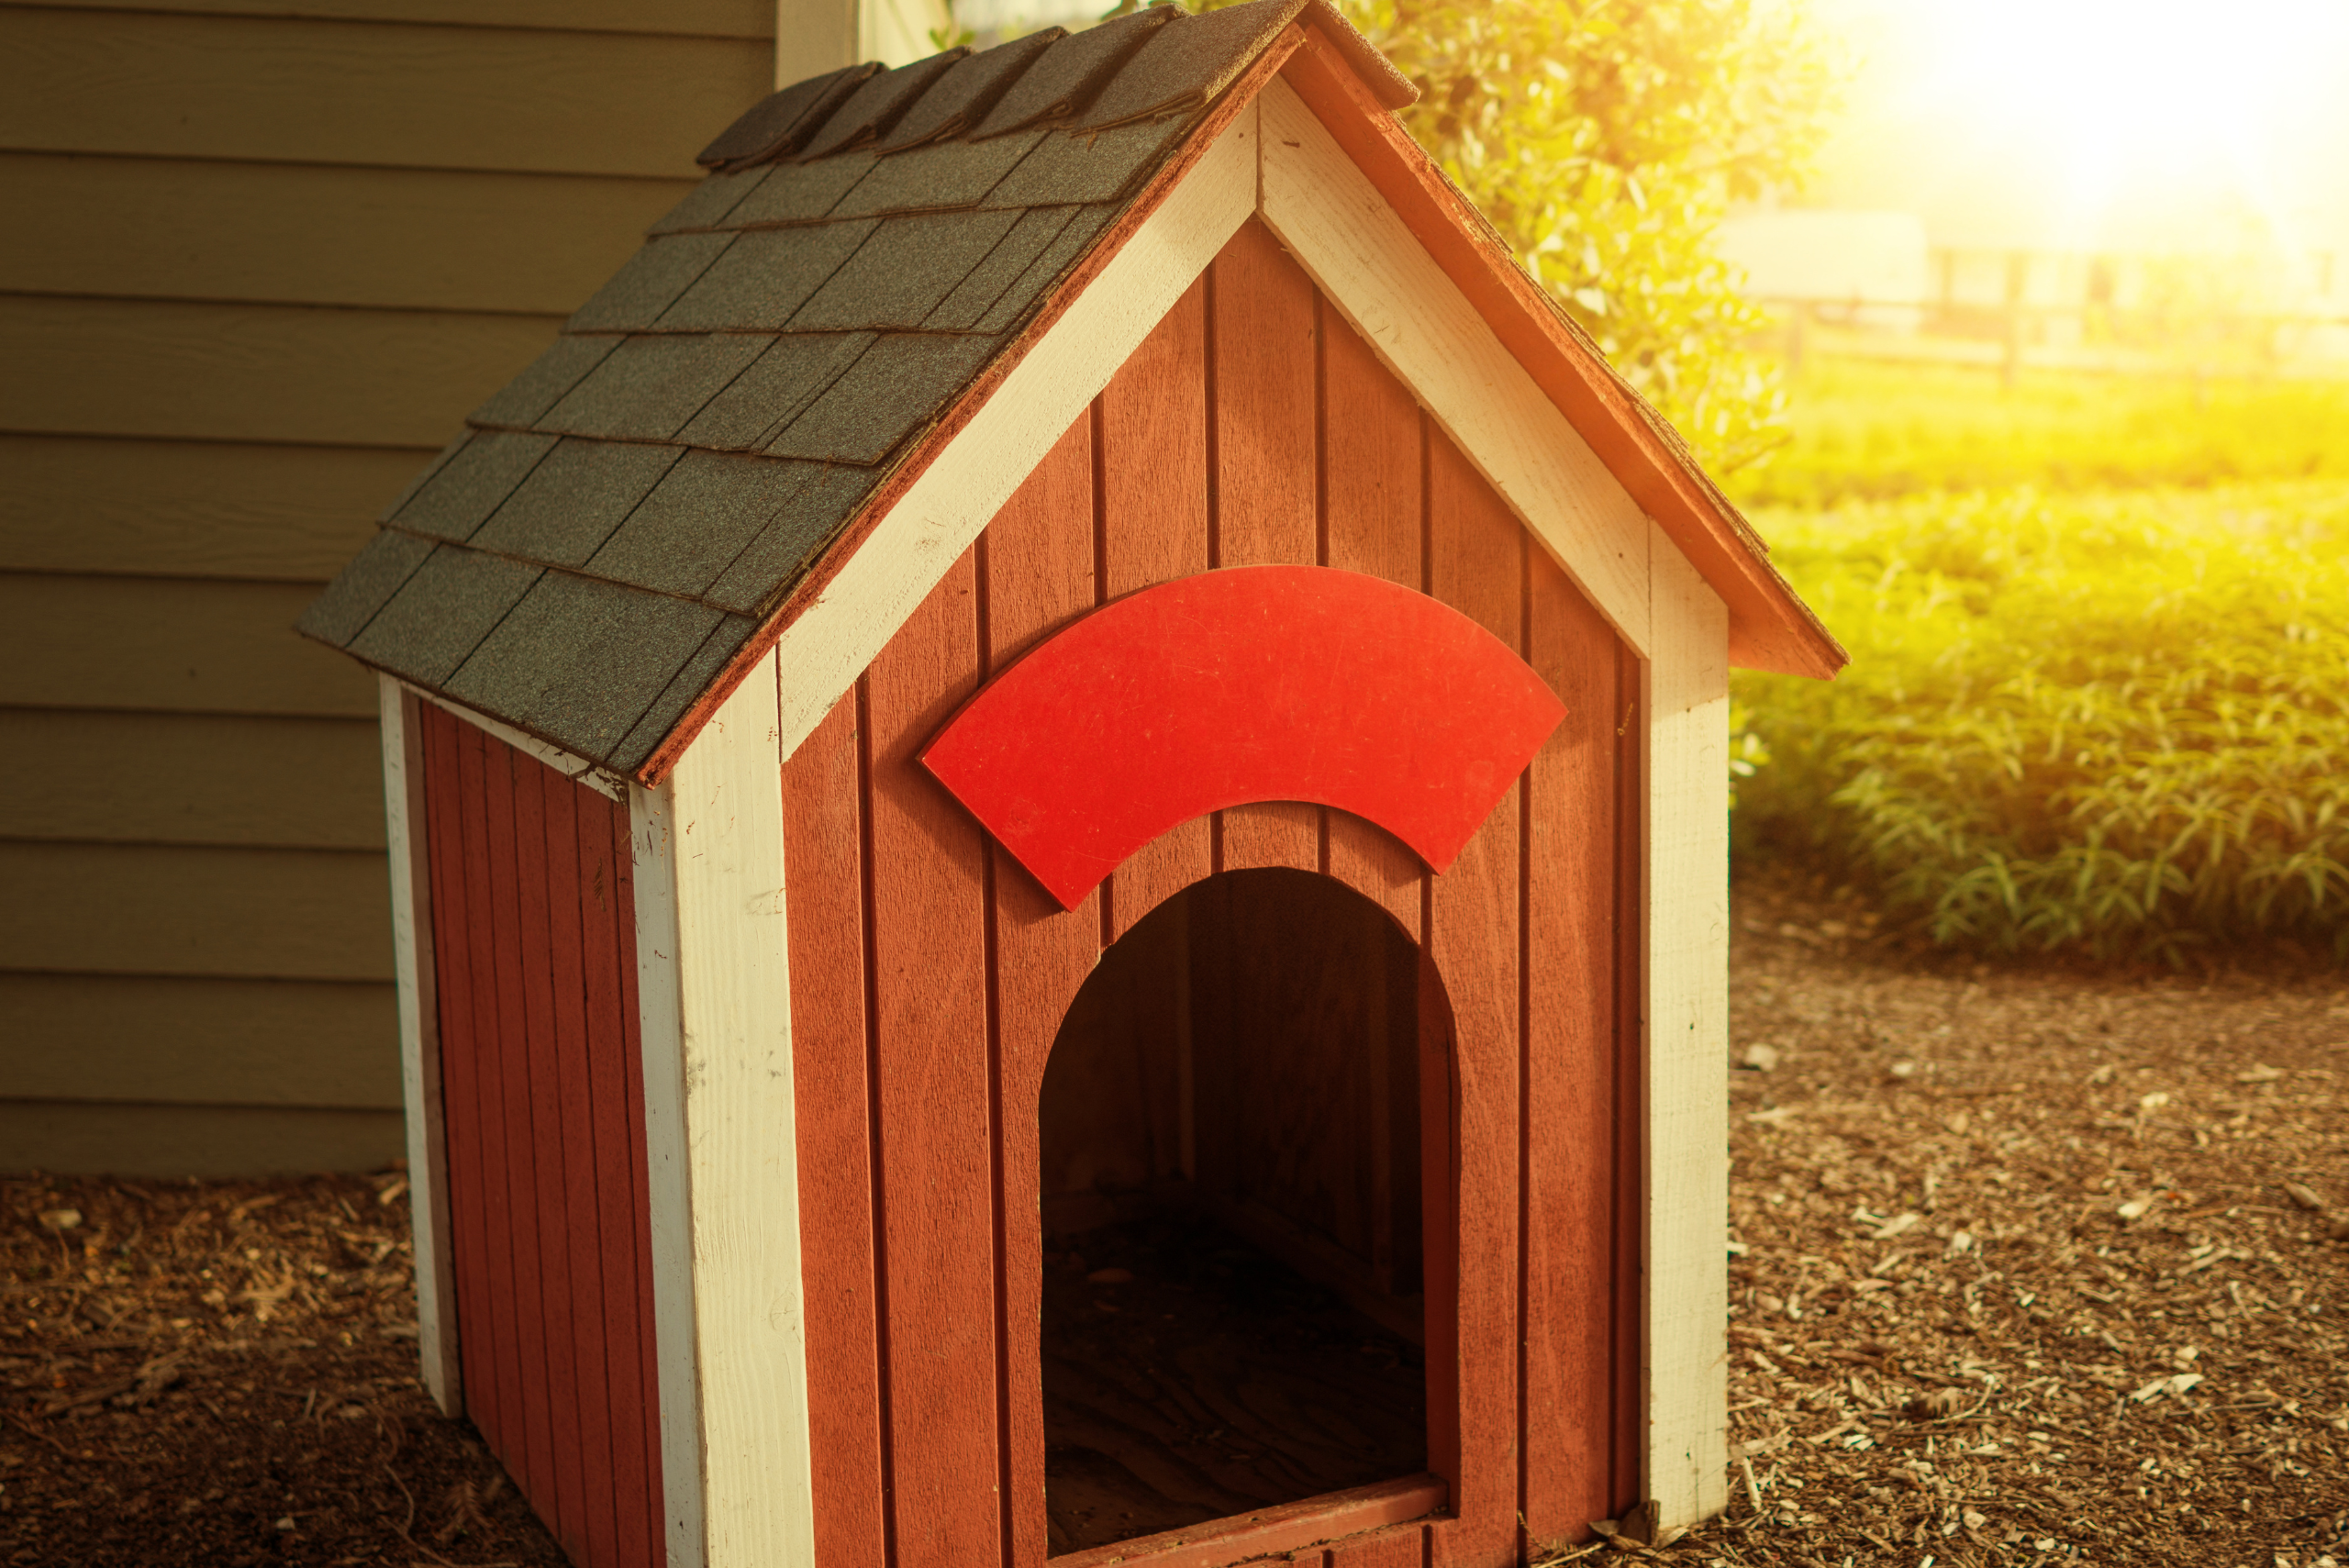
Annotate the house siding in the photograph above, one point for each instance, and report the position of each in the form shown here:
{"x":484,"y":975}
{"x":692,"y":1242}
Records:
{"x":257,"y":268}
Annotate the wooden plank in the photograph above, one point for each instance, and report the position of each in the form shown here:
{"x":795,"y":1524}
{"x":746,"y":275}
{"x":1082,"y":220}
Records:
{"x":201,"y":1041}
{"x":95,"y":780}
{"x":711,"y":18}
{"x":823,"y":822}
{"x":359,"y":92}
{"x":415,"y":976}
{"x":1263,"y":329}
{"x":1629,"y":1338}
{"x":1281,"y":1528}
{"x":141,"y":910}
{"x":637,"y":1084}
{"x":1039,"y":556}
{"x":1398,"y":1546}
{"x":1344,"y":233}
{"x":529,"y":1420}
{"x":303,"y":234}
{"x":1153,"y":460}
{"x":576,"y":769}
{"x":734,"y":992}
{"x":1371,"y":468}
{"x":69,"y":1138}
{"x":1686,"y":1268}
{"x":930,"y":526}
{"x":253,"y":373}
{"x":536,"y":885}
{"x":1570,"y":1048}
{"x":100,"y":642}
{"x":494,"y":1381}
{"x":673,"y":1373}
{"x":192,"y":508}
{"x":929,"y":980}
{"x":617,"y":1138}
{"x":1476,"y":562}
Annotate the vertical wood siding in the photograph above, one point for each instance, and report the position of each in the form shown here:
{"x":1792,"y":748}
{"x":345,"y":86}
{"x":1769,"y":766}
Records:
{"x":930,"y":975}
{"x":262,"y":258}
{"x":544,"y":1118}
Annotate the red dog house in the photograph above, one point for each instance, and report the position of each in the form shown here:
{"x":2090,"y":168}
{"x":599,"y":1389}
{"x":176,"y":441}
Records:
{"x":1057,"y":790}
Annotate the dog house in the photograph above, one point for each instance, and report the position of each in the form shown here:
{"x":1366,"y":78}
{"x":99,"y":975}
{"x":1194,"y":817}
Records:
{"x":1058,"y":807}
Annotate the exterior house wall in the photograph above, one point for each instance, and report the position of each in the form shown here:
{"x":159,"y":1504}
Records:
{"x":256,"y":268}
{"x":1253,"y":427}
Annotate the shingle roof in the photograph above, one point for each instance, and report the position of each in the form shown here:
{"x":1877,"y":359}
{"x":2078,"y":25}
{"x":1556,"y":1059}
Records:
{"x":611,"y":526}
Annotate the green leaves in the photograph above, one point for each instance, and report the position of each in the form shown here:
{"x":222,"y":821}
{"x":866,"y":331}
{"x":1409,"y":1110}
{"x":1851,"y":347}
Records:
{"x":2109,"y":723}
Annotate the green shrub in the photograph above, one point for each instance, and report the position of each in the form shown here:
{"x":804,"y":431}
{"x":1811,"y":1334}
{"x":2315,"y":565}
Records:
{"x":2113,"y":723}
{"x":1863,"y":431}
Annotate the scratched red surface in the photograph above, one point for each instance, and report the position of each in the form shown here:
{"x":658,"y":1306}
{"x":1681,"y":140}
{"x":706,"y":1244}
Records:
{"x":1258,"y":682}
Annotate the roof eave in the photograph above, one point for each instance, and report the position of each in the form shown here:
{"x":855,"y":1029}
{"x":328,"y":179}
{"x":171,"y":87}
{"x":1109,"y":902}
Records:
{"x":1770,"y":628}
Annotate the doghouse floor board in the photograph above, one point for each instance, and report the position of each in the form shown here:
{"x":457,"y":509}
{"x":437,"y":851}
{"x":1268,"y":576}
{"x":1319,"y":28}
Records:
{"x":1214,"y":1383}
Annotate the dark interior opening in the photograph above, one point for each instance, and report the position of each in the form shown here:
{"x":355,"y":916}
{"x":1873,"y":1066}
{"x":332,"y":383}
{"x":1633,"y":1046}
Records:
{"x":1230,"y":1144}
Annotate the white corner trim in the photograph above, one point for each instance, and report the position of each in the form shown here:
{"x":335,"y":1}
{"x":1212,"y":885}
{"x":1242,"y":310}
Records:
{"x":1686,"y":1246}
{"x":930,"y":525}
{"x":419,"y":1021}
{"x":1360,"y":254}
{"x":668,"y":1199}
{"x":578,"y":770}
{"x":741,"y":1168}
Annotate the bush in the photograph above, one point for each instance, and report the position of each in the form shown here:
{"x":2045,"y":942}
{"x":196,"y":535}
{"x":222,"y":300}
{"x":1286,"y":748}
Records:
{"x":2117,"y":723}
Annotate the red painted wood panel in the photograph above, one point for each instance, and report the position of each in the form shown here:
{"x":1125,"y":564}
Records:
{"x":1371,"y":498}
{"x":535,"y":964}
{"x":1570,"y":1084}
{"x":1398,"y":1546}
{"x":929,"y":984}
{"x":1475,"y":560}
{"x":1152,"y":456}
{"x":1262,"y":313}
{"x":1040,"y":557}
{"x":832,"y":1089}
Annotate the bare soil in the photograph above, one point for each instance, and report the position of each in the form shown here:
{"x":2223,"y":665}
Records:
{"x":2033,"y":1265}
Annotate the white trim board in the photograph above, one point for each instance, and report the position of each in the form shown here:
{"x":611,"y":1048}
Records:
{"x":578,"y":770}
{"x":419,"y":1024}
{"x":668,"y":1197}
{"x":822,"y":652}
{"x":1360,"y":253}
{"x":1685,"y":1187}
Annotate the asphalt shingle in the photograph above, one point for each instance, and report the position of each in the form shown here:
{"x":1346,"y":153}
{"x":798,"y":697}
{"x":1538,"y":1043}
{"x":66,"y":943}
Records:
{"x":580,"y":660}
{"x":1186,"y":62}
{"x":1087,"y":166}
{"x":698,"y":519}
{"x":650,"y":284}
{"x":441,"y":613}
{"x":801,"y":193}
{"x":688,"y":684}
{"x":900,"y":383}
{"x":759,"y":403}
{"x":764,"y":276}
{"x":467,"y":488}
{"x":899,"y":276}
{"x":785,"y":120}
{"x":525,"y":400}
{"x":1072,"y":71}
{"x":876,"y":105}
{"x":652,"y":385}
{"x":968,"y":90}
{"x":709,"y":202}
{"x":942,"y":175}
{"x":776,"y":557}
{"x":364,"y":585}
{"x":573,"y":500}
{"x":1026,"y":290}
{"x":961,"y":309}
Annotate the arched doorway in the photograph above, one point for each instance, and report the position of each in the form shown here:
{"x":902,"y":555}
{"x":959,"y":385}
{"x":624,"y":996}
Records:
{"x":1237,"y":1231}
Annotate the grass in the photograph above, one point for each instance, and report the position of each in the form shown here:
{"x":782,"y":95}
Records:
{"x":2098,"y":701}
{"x":1868,"y":430}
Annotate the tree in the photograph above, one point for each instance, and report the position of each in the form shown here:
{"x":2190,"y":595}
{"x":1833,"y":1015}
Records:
{"x":1605,"y":140}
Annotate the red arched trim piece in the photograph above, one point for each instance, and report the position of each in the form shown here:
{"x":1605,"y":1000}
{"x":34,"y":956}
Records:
{"x":1258,"y":682}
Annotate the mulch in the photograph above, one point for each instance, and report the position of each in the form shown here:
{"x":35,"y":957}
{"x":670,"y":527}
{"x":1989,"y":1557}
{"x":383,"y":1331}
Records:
{"x":2033,"y":1265}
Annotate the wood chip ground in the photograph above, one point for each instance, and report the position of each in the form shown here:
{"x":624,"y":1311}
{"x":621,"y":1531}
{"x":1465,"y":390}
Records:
{"x":2036,"y":1266}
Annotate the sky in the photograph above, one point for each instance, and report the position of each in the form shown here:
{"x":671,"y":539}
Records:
{"x":2095,"y":124}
